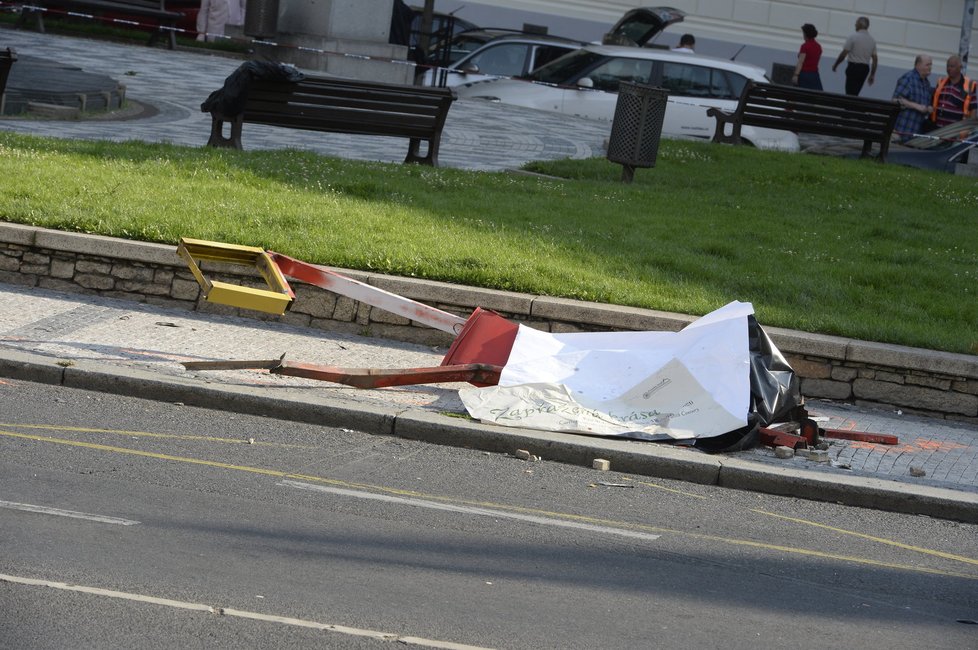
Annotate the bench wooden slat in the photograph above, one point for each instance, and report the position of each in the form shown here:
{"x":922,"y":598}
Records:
{"x":346,"y":96}
{"x":326,"y":118}
{"x":378,"y":103}
{"x":874,"y":114}
{"x":809,"y":111}
{"x":799,"y":120}
{"x":329,"y":104}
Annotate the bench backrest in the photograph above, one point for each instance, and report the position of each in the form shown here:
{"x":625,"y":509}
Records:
{"x":349,"y":106}
{"x":150,"y":5}
{"x":7,"y":58}
{"x":814,"y":111}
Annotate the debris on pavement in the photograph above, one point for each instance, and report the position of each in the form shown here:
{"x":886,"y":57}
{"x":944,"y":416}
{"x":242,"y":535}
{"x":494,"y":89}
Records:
{"x":784,"y":452}
{"x":689,"y":385}
{"x":861,"y":436}
{"x":523,"y":454}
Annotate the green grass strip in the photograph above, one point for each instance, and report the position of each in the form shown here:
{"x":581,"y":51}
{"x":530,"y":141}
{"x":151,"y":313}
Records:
{"x":819,"y":244}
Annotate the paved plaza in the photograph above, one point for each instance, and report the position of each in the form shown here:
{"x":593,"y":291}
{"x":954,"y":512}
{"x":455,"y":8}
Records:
{"x":126,"y":336}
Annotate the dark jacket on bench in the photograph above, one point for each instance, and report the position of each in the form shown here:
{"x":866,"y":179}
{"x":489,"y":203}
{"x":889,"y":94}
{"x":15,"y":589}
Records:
{"x":229,"y":100}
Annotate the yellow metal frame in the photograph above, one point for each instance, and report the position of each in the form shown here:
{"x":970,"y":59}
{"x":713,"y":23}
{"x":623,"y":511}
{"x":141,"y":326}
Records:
{"x":275,"y":300}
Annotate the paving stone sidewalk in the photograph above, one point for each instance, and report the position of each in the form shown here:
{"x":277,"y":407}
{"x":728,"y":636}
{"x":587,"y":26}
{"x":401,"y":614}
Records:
{"x":478,"y":135}
{"x":129,"y":335}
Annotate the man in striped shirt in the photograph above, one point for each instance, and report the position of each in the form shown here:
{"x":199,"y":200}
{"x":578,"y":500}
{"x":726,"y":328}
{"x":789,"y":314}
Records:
{"x":954,"y":96}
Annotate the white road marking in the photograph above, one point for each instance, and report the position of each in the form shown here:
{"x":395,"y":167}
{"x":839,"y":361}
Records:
{"x":472,"y":510}
{"x":44,"y":510}
{"x":96,"y":591}
{"x":237,"y":613}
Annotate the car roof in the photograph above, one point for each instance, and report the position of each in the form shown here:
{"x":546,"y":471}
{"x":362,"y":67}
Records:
{"x":418,"y":12}
{"x":678,"y":57}
{"x":492,"y":34}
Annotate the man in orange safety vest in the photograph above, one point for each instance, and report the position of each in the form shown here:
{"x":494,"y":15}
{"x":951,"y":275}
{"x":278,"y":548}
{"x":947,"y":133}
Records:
{"x":954,"y":97}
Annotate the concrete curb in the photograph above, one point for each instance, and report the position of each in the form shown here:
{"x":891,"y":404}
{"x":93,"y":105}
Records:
{"x":628,"y":456}
{"x":914,"y":380}
{"x":863,"y":492}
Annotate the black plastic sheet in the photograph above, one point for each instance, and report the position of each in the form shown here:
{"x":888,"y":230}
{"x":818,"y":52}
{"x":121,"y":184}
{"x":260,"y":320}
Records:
{"x":775,"y":393}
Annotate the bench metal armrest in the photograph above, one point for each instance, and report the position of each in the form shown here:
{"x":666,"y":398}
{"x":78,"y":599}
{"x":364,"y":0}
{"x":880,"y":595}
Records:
{"x":723,"y":118}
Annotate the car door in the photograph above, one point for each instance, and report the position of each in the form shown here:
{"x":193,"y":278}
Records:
{"x":498,"y":60}
{"x":493,"y":60}
{"x":693,"y":89}
{"x":600,"y":96}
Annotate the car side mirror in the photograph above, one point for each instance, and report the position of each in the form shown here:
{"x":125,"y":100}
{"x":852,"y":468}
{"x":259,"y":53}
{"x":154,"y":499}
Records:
{"x":470,"y":68}
{"x":585,"y":82}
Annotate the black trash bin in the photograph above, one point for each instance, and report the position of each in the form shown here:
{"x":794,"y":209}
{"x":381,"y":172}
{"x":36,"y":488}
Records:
{"x":782,"y":73}
{"x":637,"y":128}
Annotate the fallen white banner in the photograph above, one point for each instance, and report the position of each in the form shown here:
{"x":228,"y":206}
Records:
{"x":694,"y":383}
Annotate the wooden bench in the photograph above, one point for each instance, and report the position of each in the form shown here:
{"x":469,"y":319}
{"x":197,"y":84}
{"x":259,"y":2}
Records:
{"x":809,"y":111}
{"x":344,"y":106}
{"x":132,"y":9}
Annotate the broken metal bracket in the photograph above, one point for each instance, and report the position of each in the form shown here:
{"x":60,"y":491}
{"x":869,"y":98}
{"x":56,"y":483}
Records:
{"x":473,"y":373}
{"x":275,"y":300}
{"x":274,"y":267}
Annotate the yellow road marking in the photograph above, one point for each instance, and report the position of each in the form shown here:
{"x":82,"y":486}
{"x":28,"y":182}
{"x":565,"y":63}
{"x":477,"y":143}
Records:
{"x":663,"y":487}
{"x":872,"y":538}
{"x":880,"y":540}
{"x":146,"y":434}
{"x":487,"y":504}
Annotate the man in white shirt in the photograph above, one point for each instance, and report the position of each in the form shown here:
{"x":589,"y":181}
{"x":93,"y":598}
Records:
{"x":860,"y":47}
{"x":686,"y":43}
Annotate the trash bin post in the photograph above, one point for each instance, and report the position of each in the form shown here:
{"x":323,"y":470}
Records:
{"x":261,"y":18}
{"x":637,"y":127}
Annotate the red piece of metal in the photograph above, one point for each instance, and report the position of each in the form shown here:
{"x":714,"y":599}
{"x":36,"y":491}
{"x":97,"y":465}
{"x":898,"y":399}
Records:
{"x":320,"y":276}
{"x":479,"y":374}
{"x":862,"y":436}
{"x":808,"y":429}
{"x":777,"y":438}
{"x":486,"y":337}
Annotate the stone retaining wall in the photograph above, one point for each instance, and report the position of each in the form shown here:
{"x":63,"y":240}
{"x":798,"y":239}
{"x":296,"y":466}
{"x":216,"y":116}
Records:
{"x":916,"y":381}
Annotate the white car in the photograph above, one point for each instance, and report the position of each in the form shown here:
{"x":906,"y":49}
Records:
{"x":585,"y":83}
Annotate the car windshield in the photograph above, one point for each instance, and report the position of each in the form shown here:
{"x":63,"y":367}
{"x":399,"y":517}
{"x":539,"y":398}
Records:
{"x":567,"y":68}
{"x":945,"y":137}
{"x":462,"y":46}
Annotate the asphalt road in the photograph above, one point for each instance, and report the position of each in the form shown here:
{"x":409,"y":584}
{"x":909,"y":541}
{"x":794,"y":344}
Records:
{"x":259,"y":533}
